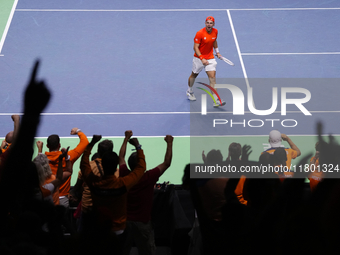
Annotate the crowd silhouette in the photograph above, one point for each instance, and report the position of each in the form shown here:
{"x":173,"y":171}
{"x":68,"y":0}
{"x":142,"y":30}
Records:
{"x":272,"y":214}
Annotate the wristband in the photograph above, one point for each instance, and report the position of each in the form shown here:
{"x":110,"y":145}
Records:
{"x":217,"y":51}
{"x":139,"y":147}
{"x":67,"y":158}
{"x":201,"y":57}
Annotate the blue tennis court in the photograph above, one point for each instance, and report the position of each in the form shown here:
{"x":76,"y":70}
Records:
{"x":114,"y":66}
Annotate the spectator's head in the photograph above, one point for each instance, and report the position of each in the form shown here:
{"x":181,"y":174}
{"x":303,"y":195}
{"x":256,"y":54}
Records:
{"x":105,"y":146}
{"x":110,"y":162}
{"x":266,"y":158}
{"x":132,"y":161}
{"x":43,"y":167}
{"x":9,"y":137}
{"x":235,"y":151}
{"x":53,"y":142}
{"x":280,"y":156}
{"x":214,"y":156}
{"x":275,"y":138}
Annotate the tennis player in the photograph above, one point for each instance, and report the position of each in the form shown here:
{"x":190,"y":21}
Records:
{"x":204,"y":43}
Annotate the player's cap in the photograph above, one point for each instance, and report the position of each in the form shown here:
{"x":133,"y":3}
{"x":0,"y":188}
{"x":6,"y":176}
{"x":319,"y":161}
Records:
{"x":210,"y":18}
{"x":275,"y":138}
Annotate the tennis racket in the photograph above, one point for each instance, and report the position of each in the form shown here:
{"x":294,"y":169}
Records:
{"x":226,"y":60}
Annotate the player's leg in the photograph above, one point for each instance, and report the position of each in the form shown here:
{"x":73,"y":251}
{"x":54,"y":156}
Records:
{"x":212,"y":78}
{"x":212,"y":82}
{"x":211,"y":72}
{"x":197,"y":67}
{"x":191,"y":79}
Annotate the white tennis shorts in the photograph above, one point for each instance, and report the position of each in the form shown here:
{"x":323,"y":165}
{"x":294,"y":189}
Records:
{"x":197,"y":65}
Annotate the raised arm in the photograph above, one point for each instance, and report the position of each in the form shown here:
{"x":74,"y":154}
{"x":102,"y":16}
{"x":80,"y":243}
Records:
{"x":3,"y":145}
{"x":76,"y":152}
{"x":16,"y":121}
{"x":14,"y":169}
{"x":168,"y":154}
{"x":291,"y":144}
{"x":69,"y":163}
{"x":85,"y":160}
{"x":204,"y":158}
{"x":246,"y":151}
{"x":122,"y":151}
{"x":40,"y":146}
{"x":36,"y":99}
{"x":133,"y":178}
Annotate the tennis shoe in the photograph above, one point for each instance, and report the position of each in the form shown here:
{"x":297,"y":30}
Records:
{"x":191,"y":96}
{"x":218,"y":103}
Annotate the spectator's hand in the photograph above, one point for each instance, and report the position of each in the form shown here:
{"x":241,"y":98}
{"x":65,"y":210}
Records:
{"x":73,"y":198}
{"x":64,"y":153}
{"x":128,"y":134}
{"x":246,"y":150}
{"x":74,"y":131}
{"x":168,"y":139}
{"x":203,"y":156}
{"x":134,"y":142}
{"x":284,"y":137}
{"x":15,"y":118}
{"x":95,"y":139}
{"x":37,"y":95}
{"x":40,"y":145}
{"x":3,"y":144}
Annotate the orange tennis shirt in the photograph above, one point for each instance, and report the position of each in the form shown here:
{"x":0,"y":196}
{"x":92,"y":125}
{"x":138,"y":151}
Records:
{"x":206,"y":42}
{"x":291,"y":154}
{"x":316,"y":174}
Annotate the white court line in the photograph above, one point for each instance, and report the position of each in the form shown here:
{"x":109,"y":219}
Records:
{"x":238,"y":48}
{"x":173,"y":10}
{"x":290,"y":53}
{"x":2,"y":41}
{"x":113,"y":10}
{"x":286,"y":9}
{"x":150,"y":113}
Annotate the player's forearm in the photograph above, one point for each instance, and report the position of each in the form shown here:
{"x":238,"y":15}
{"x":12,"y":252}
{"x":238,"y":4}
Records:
{"x":215,"y":45}
{"x":197,"y":50}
